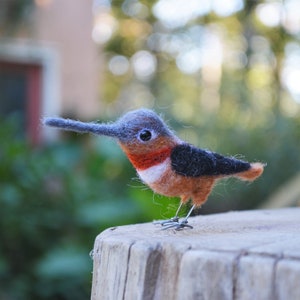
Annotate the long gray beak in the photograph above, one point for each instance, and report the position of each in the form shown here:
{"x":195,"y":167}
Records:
{"x":82,"y":127}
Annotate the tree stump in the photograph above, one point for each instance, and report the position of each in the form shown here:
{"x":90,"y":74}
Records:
{"x":235,"y":255}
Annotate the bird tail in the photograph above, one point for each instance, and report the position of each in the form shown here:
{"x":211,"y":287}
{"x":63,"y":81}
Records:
{"x":255,"y":170}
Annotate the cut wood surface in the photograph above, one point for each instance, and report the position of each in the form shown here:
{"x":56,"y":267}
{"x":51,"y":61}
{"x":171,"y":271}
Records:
{"x":235,"y":255}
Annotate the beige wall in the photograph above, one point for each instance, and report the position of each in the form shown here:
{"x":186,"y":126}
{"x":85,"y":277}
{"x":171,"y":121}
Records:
{"x":66,"y":26}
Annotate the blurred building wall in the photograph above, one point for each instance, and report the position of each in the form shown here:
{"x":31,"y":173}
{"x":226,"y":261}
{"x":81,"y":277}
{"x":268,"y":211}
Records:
{"x":67,"y":25}
{"x":57,"y":36}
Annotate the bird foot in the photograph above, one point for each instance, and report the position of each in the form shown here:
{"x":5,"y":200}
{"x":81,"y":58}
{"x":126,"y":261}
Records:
{"x":178,"y":225}
{"x":174,"y":223}
{"x":166,"y":222}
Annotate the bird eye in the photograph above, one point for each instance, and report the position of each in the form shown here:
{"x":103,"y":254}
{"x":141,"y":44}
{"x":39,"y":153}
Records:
{"x":145,"y":135}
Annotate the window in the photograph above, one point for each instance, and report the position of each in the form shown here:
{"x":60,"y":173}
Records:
{"x":20,"y":96}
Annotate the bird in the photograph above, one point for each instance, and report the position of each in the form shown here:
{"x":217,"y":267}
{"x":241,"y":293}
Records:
{"x":167,"y":164}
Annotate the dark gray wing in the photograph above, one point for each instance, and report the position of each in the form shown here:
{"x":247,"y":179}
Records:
{"x":188,"y":160}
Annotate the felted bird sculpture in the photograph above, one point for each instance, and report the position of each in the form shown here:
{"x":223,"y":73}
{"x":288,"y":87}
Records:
{"x":168,"y":165}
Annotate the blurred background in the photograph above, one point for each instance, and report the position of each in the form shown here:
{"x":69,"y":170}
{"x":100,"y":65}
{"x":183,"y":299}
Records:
{"x":224,"y":74}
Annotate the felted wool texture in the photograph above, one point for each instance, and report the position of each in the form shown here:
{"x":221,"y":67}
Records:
{"x":145,"y":161}
{"x":188,"y":160}
{"x":126,"y":129}
{"x":172,"y":184}
{"x":134,"y":122}
{"x":82,"y":127}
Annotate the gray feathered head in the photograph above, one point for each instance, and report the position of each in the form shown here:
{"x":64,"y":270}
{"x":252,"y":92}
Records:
{"x":142,"y":124}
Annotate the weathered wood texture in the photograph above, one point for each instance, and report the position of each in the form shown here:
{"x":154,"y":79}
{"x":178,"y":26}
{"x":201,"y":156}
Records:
{"x":235,"y":255}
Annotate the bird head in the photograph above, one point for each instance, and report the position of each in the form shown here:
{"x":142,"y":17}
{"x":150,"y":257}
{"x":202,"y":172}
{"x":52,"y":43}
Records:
{"x":141,"y":133}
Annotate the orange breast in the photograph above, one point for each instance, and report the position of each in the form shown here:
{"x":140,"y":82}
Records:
{"x":145,"y":161}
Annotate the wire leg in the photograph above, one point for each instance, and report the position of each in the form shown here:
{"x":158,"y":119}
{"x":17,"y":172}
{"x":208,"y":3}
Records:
{"x":178,"y":210}
{"x":189,"y":213}
{"x":174,"y":219}
{"x":174,"y":222}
